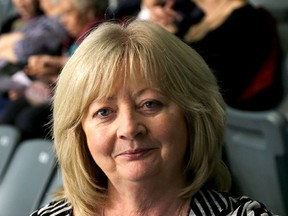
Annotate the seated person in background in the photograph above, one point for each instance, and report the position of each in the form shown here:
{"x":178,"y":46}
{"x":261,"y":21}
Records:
{"x":24,"y":11}
{"x":31,"y":112}
{"x":77,"y":17}
{"x":138,"y":130}
{"x":30,"y":32}
{"x":240,"y":44}
{"x":38,"y":34}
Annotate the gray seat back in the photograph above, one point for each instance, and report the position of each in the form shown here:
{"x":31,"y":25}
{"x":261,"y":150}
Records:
{"x":54,"y":185}
{"x":256,"y":150}
{"x":9,"y":138}
{"x":27,"y":177}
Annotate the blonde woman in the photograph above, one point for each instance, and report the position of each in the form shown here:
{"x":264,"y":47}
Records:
{"x":138,"y":130}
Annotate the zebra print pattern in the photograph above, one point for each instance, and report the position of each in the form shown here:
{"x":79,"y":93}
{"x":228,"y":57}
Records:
{"x":204,"y":203}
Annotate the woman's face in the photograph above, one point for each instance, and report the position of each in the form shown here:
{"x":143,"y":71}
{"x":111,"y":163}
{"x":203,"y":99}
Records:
{"x":26,"y":8}
{"x":49,"y":6}
{"x":136,"y":135}
{"x":72,"y":19}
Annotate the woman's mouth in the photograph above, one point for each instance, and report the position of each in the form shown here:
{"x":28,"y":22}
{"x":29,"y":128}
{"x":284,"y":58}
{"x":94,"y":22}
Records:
{"x":136,"y":154}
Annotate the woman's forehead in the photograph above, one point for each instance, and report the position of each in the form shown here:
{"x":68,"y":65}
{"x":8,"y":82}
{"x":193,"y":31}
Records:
{"x":128,"y":84}
{"x":106,"y":79}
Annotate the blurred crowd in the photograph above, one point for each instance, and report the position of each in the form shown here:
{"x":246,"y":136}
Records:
{"x":238,"y":40}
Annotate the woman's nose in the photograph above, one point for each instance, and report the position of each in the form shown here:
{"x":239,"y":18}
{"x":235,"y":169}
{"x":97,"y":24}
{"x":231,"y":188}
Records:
{"x":130,"y":125}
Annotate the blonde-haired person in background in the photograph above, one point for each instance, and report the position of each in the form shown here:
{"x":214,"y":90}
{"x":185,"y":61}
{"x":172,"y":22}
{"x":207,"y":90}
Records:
{"x":138,"y":129}
{"x":239,"y":42}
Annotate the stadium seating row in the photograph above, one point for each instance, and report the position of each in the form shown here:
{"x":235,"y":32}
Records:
{"x":28,"y":173}
{"x":256,"y":147}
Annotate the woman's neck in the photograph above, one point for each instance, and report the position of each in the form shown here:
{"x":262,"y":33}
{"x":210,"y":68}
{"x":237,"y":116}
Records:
{"x":142,"y":199}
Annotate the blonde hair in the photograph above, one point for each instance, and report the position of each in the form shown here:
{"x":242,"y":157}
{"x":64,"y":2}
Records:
{"x":114,"y":53}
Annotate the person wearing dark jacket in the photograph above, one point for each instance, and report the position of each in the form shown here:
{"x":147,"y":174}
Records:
{"x":241,"y":45}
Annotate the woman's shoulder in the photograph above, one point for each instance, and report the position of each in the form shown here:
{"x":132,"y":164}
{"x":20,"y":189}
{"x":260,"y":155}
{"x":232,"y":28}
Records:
{"x":209,"y":202}
{"x":55,"y":208}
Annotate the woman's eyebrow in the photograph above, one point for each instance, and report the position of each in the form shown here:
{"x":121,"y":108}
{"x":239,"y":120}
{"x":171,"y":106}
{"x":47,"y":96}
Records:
{"x":138,"y":93}
{"x":103,"y":99}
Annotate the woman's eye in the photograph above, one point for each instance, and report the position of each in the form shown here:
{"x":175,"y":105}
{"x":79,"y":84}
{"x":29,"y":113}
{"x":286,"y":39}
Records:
{"x":104,"y":112}
{"x":151,"y":106}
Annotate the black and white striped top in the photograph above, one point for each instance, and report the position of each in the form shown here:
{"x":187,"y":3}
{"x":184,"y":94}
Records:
{"x":204,"y":203}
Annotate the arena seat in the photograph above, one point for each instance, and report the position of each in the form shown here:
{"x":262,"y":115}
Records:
{"x":54,"y":185}
{"x":256,"y":147}
{"x":9,"y":138}
{"x":26,"y":177}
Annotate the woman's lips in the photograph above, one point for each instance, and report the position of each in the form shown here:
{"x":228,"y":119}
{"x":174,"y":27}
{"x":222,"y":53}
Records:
{"x":136,"y":154}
